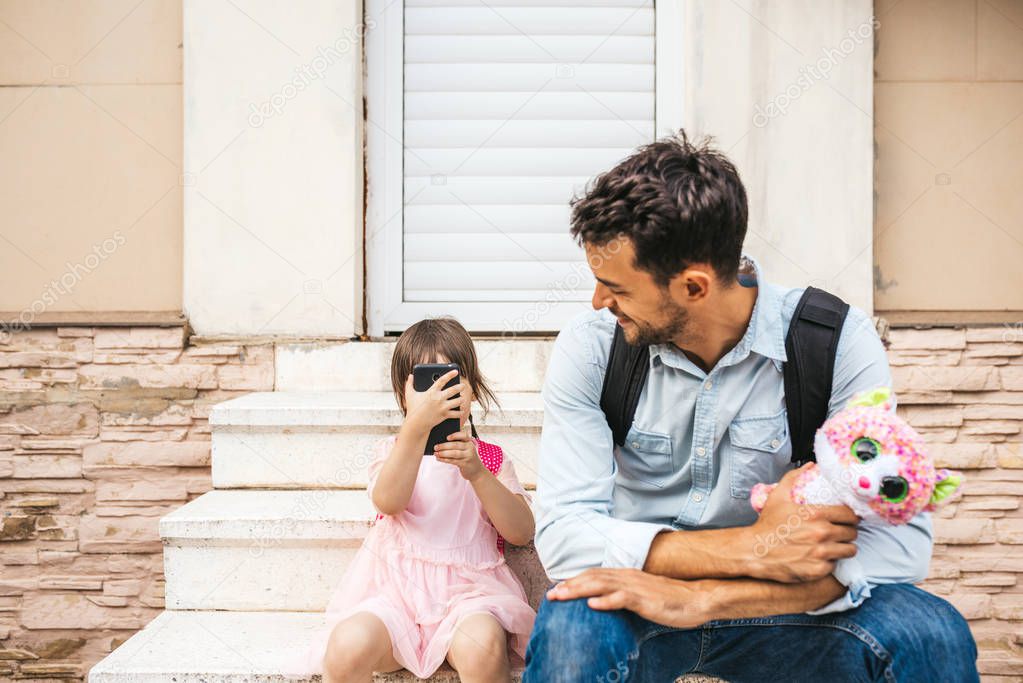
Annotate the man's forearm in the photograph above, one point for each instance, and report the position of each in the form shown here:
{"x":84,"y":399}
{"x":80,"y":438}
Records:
{"x":688,"y":604}
{"x":702,"y":554}
{"x":749,"y":598}
{"x":789,"y":542}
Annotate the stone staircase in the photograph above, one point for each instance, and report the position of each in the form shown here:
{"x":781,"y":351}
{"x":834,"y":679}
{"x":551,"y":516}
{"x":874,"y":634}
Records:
{"x":250,"y":565}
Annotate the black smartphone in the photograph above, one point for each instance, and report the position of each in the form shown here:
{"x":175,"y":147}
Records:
{"x":423,"y":377}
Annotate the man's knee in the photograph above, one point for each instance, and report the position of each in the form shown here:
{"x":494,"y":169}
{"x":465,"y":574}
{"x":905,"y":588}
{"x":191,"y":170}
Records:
{"x":572,"y":642}
{"x":922,"y":632}
{"x":941,"y":628}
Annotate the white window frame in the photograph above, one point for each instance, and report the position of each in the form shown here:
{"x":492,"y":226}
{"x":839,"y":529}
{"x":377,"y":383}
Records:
{"x":385,"y":56}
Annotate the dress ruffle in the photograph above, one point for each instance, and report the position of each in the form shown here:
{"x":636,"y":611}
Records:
{"x":425,"y":569}
{"x":390,"y":539}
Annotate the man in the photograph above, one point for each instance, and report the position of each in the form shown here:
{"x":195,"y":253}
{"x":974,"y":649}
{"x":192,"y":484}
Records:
{"x":664,"y":567}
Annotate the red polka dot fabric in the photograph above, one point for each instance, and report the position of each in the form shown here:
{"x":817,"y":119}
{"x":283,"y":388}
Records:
{"x":492,"y":456}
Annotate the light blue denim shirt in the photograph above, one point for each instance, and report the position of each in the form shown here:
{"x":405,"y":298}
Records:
{"x":697,"y":445}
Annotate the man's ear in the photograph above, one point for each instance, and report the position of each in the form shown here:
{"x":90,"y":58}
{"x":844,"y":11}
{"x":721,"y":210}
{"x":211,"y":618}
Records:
{"x":946,"y":484}
{"x":693,"y":282}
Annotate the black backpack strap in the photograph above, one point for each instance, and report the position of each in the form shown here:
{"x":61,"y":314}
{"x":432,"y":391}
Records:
{"x":811,"y":345}
{"x":810,"y":348}
{"x":626,"y":372}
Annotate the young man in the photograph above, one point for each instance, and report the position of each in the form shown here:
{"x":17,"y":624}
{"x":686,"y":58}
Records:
{"x":664,"y":567}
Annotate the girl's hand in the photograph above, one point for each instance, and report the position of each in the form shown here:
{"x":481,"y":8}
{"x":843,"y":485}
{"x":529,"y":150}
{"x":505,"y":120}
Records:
{"x":426,"y":409}
{"x":460,"y":451}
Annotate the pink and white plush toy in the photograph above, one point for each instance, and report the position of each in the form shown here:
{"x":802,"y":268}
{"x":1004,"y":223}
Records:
{"x":869,"y":459}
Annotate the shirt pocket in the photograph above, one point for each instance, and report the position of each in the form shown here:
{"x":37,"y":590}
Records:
{"x":759,"y":451}
{"x":646,"y":456}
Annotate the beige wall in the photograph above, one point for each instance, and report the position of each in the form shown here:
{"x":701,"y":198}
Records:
{"x":947,"y":102}
{"x":273,"y":140}
{"x":786,"y":90}
{"x":91,"y":138}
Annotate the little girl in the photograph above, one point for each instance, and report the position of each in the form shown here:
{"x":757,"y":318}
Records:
{"x":430,"y":581}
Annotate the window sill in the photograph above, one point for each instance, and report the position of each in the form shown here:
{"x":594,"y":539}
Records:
{"x":28,"y":320}
{"x":924,"y":319}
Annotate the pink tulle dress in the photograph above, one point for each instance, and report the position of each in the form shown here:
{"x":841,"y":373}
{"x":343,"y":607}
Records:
{"x":424,"y":569}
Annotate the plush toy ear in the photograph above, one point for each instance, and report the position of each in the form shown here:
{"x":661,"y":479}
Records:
{"x":759,"y":494}
{"x":879,"y":398}
{"x":946,"y":484}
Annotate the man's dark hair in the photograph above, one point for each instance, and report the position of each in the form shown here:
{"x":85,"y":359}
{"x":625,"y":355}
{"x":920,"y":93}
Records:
{"x":678,"y":202}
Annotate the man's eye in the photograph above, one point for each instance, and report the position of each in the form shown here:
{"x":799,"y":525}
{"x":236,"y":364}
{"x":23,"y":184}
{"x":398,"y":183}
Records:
{"x":865,"y":449}
{"x":894,"y":489}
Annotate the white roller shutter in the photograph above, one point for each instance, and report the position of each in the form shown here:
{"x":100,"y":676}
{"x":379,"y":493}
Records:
{"x":508,"y":108}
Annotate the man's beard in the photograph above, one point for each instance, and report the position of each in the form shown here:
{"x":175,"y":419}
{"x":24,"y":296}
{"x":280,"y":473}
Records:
{"x":645,"y":333}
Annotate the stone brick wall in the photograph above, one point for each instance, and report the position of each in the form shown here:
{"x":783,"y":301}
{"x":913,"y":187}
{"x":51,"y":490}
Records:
{"x":963,"y":390}
{"x":102,"y":431}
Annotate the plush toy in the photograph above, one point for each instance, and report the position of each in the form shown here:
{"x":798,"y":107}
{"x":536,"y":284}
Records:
{"x":869,"y":459}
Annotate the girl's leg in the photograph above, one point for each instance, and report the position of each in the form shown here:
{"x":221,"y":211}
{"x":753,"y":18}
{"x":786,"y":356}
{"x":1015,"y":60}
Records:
{"x":358,"y":646}
{"x":479,"y":650}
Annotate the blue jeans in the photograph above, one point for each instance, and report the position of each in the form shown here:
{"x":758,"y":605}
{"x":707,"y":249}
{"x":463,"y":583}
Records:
{"x":900,"y":633}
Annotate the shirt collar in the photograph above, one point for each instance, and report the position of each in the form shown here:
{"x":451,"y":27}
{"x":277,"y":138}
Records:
{"x":768,"y":338}
{"x":765,"y":334}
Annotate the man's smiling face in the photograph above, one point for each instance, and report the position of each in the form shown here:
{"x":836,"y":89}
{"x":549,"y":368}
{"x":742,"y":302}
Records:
{"x":647,"y":312}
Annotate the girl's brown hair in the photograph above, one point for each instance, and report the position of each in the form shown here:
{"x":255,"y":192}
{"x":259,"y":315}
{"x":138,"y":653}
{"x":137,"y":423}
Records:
{"x":423,"y":342}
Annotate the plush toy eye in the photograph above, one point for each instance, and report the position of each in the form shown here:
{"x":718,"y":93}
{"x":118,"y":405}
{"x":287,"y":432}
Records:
{"x":894,"y":489}
{"x":865,"y":449}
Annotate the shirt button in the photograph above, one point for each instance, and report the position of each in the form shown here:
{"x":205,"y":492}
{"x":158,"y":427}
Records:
{"x":708,"y":385}
{"x":697,"y":497}
{"x":701,"y":450}
{"x":775,"y":443}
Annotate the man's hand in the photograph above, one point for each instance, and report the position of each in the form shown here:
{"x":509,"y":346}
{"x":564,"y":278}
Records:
{"x":688,"y":604}
{"x":794,"y":542}
{"x":662,"y":600}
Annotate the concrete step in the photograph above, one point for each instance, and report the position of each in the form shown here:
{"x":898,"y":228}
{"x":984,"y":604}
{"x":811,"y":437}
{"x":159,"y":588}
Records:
{"x":323,"y":439}
{"x":236,"y":647}
{"x":507,"y":364}
{"x":225,"y":647}
{"x":278,"y":550}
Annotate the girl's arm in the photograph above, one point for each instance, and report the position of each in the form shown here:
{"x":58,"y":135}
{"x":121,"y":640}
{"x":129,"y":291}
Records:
{"x":509,"y":512}
{"x":397,"y":478}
